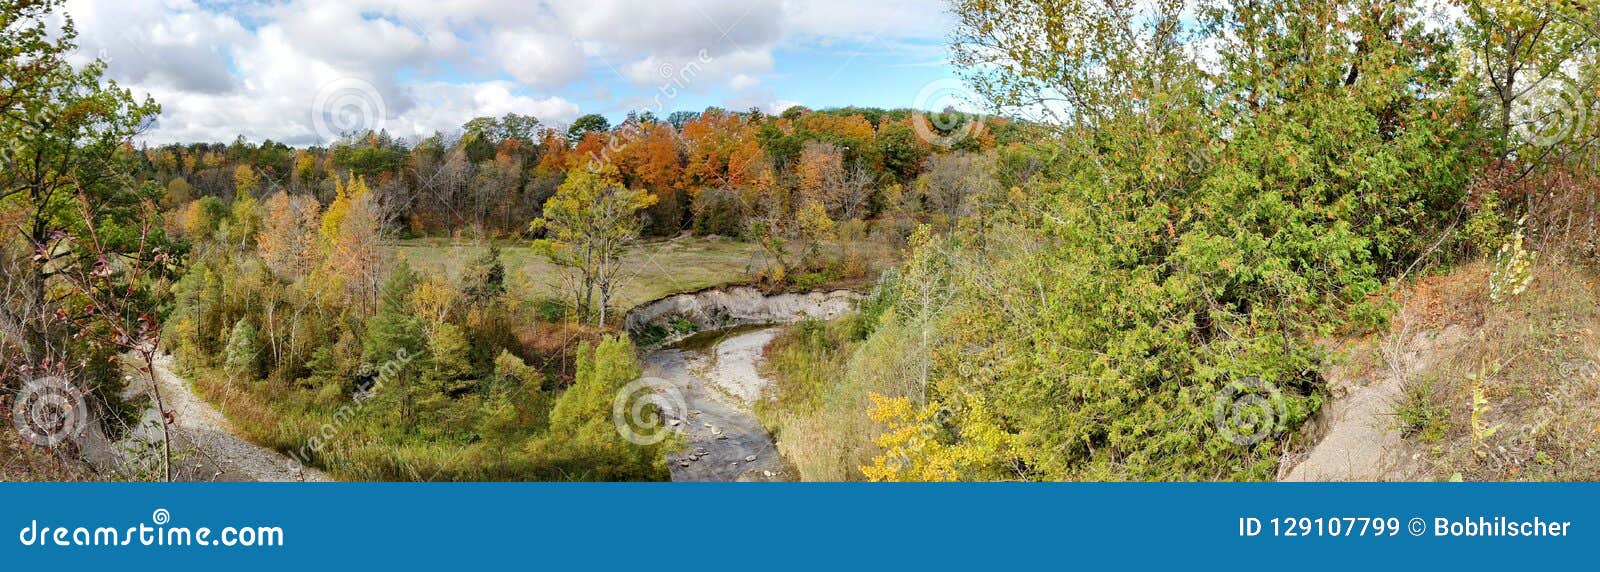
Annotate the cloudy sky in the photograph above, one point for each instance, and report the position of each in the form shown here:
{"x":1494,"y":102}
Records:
{"x":302,"y":71}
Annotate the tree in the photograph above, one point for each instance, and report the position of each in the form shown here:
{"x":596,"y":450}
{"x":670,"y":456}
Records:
{"x":178,"y":193}
{"x":1520,"y":48}
{"x":583,"y":126}
{"x":434,"y":301}
{"x":583,"y":441}
{"x":484,"y":279}
{"x":245,"y":222}
{"x":952,"y":181}
{"x":1196,"y":227}
{"x":78,"y":232}
{"x":820,"y":170}
{"x":393,"y":335}
{"x":243,"y":355}
{"x":287,"y":242}
{"x":351,"y":229}
{"x":588,"y":225}
{"x":449,"y":360}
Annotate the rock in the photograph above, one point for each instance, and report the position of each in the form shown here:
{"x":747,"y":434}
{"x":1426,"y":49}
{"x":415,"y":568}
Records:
{"x":684,"y":463}
{"x":733,"y":465}
{"x":716,"y":431}
{"x":768,"y":474}
{"x":711,"y":427}
{"x":674,"y":422}
{"x":694,"y":411}
{"x":722,"y":437}
{"x":750,"y":459}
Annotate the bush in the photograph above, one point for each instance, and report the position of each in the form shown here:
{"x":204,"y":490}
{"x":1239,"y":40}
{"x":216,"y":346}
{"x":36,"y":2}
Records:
{"x":551,"y":309}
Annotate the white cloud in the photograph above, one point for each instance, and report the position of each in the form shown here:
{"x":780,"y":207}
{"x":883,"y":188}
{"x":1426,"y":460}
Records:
{"x":743,"y":82}
{"x":173,"y":44}
{"x":538,"y":59}
{"x":450,"y":105}
{"x":223,"y":69}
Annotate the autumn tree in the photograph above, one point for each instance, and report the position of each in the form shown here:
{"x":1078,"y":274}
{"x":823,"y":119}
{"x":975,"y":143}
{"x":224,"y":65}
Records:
{"x":588,"y":225}
{"x":652,"y":159}
{"x":952,"y":182}
{"x":288,"y":242}
{"x":351,"y":229}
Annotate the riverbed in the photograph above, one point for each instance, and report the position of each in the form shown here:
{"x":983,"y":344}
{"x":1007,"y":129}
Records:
{"x":717,"y":375}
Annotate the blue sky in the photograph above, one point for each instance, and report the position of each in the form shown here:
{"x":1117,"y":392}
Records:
{"x":303,"y":71}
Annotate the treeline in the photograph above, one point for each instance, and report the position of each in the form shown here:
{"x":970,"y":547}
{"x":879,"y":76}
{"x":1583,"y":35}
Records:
{"x":711,"y":172}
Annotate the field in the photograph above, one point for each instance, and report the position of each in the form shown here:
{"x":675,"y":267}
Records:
{"x":658,"y":268}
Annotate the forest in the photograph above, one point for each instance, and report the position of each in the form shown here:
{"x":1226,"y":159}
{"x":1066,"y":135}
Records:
{"x":1181,"y":229}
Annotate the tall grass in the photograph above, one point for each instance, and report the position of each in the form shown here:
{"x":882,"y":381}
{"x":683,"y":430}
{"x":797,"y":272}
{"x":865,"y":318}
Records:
{"x":823,"y":376}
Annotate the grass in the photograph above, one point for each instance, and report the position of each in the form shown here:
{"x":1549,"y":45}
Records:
{"x":660,"y":268}
{"x":823,"y":378}
{"x":1519,"y":399}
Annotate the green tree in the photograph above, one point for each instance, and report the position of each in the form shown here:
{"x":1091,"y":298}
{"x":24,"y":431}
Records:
{"x":484,"y":278}
{"x":588,"y":225}
{"x":1195,"y":227}
{"x":62,"y":137}
{"x":394,"y":335}
{"x":583,"y":442}
{"x":591,"y":123}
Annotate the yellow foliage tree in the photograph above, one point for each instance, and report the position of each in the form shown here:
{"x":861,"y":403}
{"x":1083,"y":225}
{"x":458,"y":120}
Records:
{"x":918,"y":447}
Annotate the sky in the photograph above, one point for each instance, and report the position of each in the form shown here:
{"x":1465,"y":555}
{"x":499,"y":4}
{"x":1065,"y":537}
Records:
{"x":306,"y":71}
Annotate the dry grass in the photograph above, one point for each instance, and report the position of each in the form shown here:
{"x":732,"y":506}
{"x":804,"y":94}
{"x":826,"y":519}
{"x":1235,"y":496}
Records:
{"x":1518,"y":399}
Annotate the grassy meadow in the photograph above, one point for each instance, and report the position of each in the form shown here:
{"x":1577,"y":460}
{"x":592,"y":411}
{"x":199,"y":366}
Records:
{"x":658,"y":268}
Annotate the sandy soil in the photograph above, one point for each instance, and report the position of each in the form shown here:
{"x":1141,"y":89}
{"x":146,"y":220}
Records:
{"x":1359,"y":436}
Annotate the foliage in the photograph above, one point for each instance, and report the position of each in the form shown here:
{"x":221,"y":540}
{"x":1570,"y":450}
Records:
{"x":583,"y":442}
{"x":1513,"y":266}
{"x":243,"y":354}
{"x":1189,"y":227}
{"x":589,"y":223}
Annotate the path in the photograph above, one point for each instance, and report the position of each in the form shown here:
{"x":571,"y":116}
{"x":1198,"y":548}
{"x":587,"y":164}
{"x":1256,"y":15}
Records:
{"x":201,"y":429}
{"x":1360,"y":437}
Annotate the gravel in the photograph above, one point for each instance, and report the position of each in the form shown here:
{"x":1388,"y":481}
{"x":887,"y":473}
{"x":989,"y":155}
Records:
{"x":201,"y":428}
